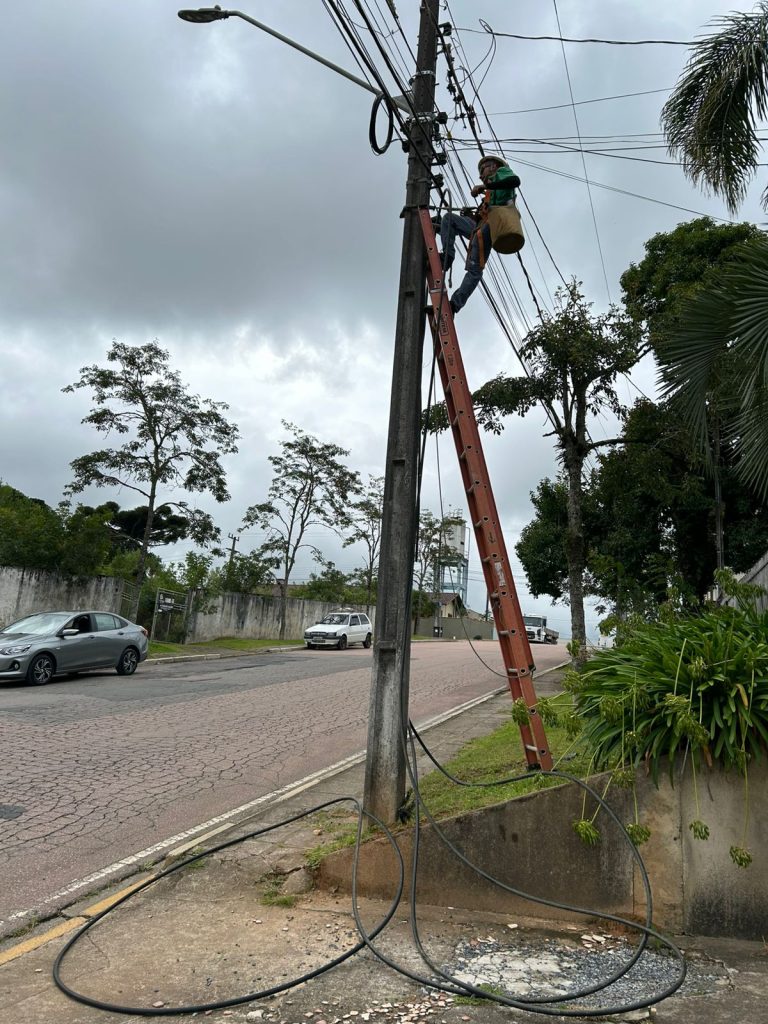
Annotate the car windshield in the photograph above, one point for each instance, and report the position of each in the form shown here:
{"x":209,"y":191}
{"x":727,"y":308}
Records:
{"x":335,"y":620}
{"x":38,"y":625}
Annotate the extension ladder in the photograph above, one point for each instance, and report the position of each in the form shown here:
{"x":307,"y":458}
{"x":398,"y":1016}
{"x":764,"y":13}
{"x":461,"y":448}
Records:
{"x":510,"y":627}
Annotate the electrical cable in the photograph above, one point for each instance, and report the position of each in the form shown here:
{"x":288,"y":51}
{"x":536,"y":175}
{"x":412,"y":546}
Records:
{"x":583,"y":157}
{"x":579,"y":103}
{"x":623,"y":191}
{"x":499,"y":146}
{"x":165,"y":1011}
{"x":382,"y":148}
{"x":567,"y":39}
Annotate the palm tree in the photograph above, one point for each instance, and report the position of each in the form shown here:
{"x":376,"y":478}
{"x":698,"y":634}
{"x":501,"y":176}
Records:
{"x":721,"y":345}
{"x":718,"y":356}
{"x":710,"y":120}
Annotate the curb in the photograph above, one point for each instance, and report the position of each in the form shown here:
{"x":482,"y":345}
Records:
{"x":170,"y":659}
{"x":70,"y":923}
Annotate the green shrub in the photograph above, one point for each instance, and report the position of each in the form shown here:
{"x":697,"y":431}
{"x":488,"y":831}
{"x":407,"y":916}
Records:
{"x":699,"y":682}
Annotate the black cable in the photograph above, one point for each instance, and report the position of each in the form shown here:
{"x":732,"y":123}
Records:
{"x":567,"y":39}
{"x":382,"y":148}
{"x":646,"y":930}
{"x":538,"y":231}
{"x":579,"y":103}
{"x":583,"y":157}
{"x":623,"y":191}
{"x":499,"y":146}
{"x":167,"y":1011}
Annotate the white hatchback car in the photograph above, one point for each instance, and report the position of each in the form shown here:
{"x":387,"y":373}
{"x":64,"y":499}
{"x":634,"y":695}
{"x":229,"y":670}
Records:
{"x":340,"y":629}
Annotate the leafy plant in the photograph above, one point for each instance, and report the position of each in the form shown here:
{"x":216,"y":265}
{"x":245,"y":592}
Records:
{"x":699,"y":682}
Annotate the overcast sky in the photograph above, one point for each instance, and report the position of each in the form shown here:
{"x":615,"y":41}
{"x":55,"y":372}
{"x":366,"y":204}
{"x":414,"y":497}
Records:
{"x":209,"y":187}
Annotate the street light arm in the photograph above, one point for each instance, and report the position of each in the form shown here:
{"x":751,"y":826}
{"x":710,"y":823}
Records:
{"x":208,"y":14}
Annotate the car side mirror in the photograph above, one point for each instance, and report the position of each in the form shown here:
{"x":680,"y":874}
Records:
{"x":69,"y":632}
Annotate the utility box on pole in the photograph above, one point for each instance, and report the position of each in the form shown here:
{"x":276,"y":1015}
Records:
{"x":387,"y":719}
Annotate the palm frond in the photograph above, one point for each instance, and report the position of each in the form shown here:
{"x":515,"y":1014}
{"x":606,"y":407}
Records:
{"x":710,"y":119}
{"x":750,"y":432}
{"x":731,"y":319}
{"x":688,"y":359}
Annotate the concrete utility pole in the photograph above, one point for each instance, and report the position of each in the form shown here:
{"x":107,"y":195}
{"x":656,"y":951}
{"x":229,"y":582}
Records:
{"x":234,"y":538}
{"x":385,"y":763}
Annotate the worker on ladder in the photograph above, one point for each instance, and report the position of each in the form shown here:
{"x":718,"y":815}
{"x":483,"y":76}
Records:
{"x":499,"y":185}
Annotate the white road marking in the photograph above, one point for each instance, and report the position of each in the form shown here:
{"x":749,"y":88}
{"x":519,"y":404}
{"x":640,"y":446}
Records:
{"x":278,"y":796}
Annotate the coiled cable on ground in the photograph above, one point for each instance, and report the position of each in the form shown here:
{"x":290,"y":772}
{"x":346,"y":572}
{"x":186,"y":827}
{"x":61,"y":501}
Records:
{"x":165,"y":1011}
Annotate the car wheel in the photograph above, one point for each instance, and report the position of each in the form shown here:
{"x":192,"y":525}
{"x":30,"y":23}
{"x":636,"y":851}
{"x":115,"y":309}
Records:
{"x":310,"y":646}
{"x":342,"y":644}
{"x":367,"y":642}
{"x":129,"y":662}
{"x":41,"y":670}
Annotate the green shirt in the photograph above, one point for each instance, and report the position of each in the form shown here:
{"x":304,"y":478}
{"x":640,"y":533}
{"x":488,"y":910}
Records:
{"x":502,"y":187}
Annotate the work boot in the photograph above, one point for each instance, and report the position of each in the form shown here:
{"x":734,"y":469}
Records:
{"x":454,"y":308}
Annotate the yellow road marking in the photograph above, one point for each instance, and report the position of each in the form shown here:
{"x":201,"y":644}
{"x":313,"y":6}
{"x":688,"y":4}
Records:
{"x":105,"y":904}
{"x":40,"y":940}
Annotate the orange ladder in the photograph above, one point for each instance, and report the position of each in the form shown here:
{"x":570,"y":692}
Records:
{"x":510,"y":627}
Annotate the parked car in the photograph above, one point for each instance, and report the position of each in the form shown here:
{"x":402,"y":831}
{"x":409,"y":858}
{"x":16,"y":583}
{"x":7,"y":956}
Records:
{"x":41,"y":646}
{"x":340,"y":629}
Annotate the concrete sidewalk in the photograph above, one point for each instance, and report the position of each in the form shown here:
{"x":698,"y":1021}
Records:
{"x":241,"y":921}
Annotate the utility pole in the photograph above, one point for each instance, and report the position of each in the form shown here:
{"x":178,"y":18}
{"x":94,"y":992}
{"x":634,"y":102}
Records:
{"x":234,"y":538}
{"x":385,"y":762}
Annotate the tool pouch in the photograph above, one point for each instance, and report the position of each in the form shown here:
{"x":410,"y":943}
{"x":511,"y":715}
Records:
{"x":506,"y":228}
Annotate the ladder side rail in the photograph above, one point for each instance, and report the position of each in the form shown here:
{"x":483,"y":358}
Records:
{"x":497,"y":571}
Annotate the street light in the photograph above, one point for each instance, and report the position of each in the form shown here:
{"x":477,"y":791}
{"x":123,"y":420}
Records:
{"x":205,"y":15}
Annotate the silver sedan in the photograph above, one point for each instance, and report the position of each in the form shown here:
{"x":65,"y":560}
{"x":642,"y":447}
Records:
{"x":40,"y":646}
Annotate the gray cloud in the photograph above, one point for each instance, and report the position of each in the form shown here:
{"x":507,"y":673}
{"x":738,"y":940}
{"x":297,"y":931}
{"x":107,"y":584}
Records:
{"x":208,"y":186}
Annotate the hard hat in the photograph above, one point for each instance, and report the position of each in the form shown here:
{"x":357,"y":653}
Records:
{"x":492,"y":156}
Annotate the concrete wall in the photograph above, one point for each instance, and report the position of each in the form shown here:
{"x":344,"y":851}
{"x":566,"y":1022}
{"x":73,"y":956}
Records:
{"x":529,"y":844}
{"x":23,"y":591}
{"x":457,"y":628}
{"x":759,"y":574}
{"x":256,"y":618}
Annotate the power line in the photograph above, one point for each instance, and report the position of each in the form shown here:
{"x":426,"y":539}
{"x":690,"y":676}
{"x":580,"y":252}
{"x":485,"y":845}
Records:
{"x":561,"y":149}
{"x":460,"y":44}
{"x":569,"y":39}
{"x":583,"y":157}
{"x":580,"y":103}
{"x":623,"y":191}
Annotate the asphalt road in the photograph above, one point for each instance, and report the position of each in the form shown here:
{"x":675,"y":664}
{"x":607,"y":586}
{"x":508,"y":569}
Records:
{"x":98,"y":768}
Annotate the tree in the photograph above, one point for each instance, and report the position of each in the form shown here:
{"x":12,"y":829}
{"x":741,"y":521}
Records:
{"x":677,"y":265}
{"x":694,"y":293}
{"x":573,"y":360}
{"x":332,"y":585}
{"x":648,"y":518}
{"x":712,"y":117}
{"x":130,"y":524}
{"x":711,"y":121}
{"x":310,"y":487}
{"x":31,"y":533}
{"x":365,"y":528}
{"x":716,"y":359}
{"x":175,"y":439}
{"x":35,"y":536}
{"x":246,"y":574}
{"x":541,"y":547}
